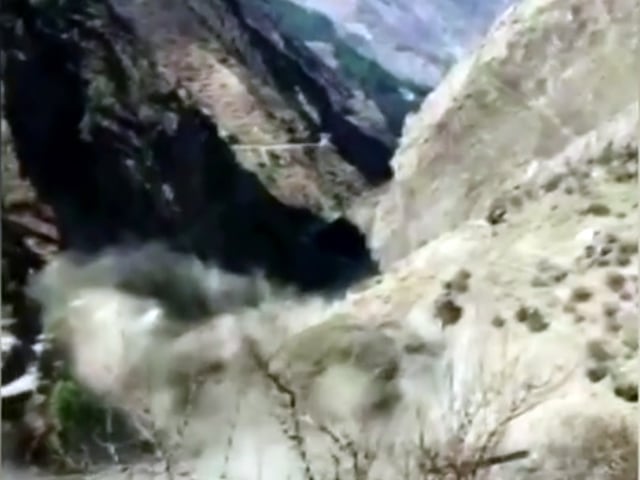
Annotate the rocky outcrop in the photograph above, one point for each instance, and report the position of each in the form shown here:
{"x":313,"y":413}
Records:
{"x":313,"y":89}
{"x":29,"y":238}
{"x":124,"y":157}
{"x":515,"y":102}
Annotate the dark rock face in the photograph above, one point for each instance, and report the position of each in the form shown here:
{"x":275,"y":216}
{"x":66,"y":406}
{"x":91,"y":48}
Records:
{"x":123,"y":158}
{"x":307,"y":83}
{"x":22,"y":253}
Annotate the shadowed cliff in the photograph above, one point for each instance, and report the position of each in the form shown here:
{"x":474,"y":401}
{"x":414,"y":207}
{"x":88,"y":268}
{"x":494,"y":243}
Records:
{"x":124,"y":158}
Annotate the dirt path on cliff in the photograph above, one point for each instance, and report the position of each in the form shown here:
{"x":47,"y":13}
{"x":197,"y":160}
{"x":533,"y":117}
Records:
{"x":188,"y":52}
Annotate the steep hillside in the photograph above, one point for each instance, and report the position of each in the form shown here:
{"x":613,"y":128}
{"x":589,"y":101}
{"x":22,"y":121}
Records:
{"x":269,"y":138}
{"x":103,"y":151}
{"x":281,"y":71}
{"x":500,"y":341}
{"x":319,"y":93}
{"x":543,"y":80}
{"x":136,"y":160}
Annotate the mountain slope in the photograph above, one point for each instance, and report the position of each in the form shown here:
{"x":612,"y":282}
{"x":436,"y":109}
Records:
{"x":393,"y":95}
{"x":319,"y":94}
{"x":416,"y":41}
{"x":267,"y":136}
{"x":123,"y":156}
{"x":500,"y":112}
{"x":499,"y":342}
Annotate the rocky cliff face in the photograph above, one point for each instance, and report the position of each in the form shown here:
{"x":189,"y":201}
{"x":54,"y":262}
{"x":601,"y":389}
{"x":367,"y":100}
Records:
{"x":509,"y":240}
{"x":122,"y":156}
{"x":29,"y":238}
{"x":266,"y":135}
{"x":318,"y":93}
{"x":102,"y":151}
{"x":520,"y":98}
